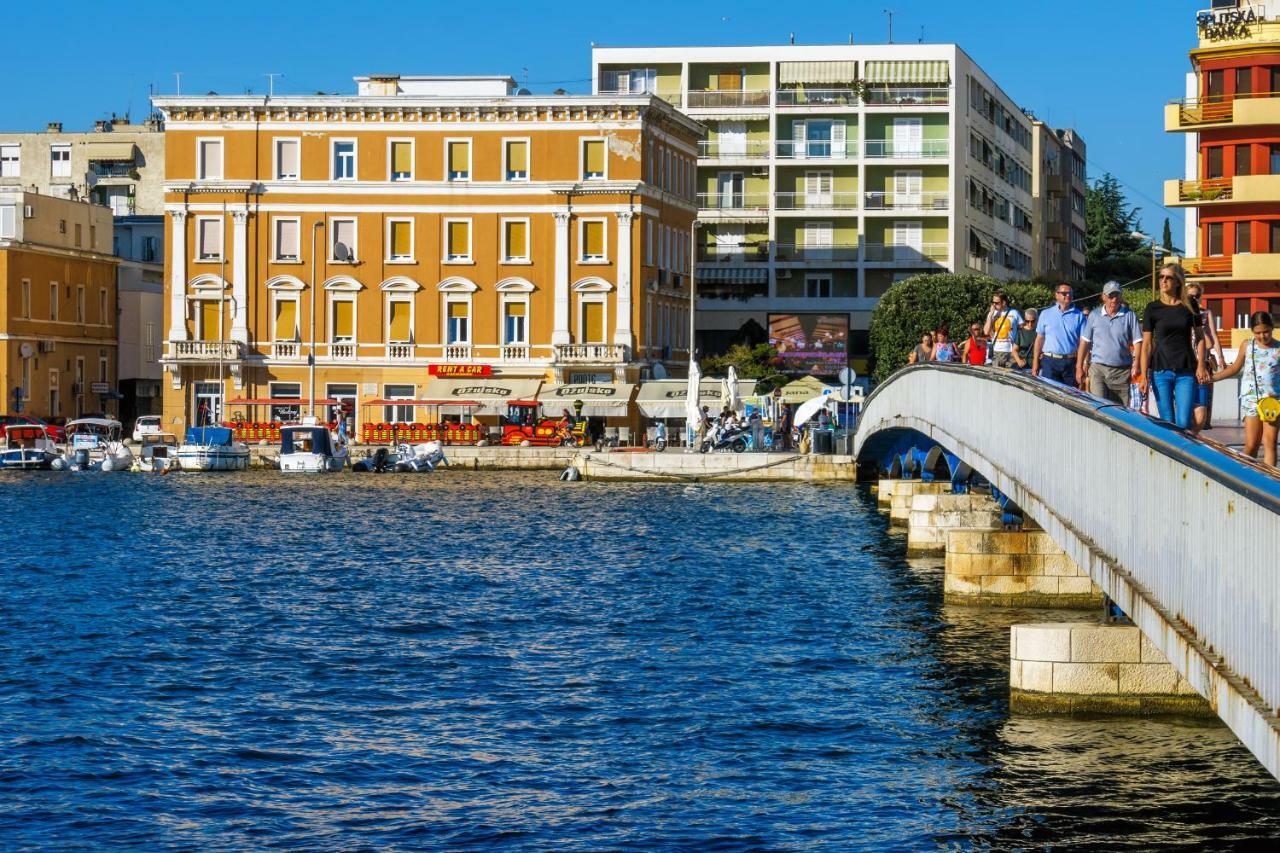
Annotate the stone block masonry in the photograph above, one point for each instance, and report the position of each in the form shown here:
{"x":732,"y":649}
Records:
{"x":903,"y":493}
{"x":932,"y":516}
{"x":1014,"y":569}
{"x":1080,"y":668}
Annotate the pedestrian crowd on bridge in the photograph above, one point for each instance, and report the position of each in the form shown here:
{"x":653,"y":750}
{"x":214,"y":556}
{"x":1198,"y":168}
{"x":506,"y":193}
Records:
{"x":1171,"y":353}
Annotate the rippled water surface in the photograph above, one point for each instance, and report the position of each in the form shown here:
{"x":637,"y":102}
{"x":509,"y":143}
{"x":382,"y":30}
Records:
{"x":470,"y":660}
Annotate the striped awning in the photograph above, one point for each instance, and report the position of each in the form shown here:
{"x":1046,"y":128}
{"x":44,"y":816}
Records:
{"x":845,"y":71}
{"x":110,"y":151}
{"x":733,"y":275}
{"x":930,"y":71}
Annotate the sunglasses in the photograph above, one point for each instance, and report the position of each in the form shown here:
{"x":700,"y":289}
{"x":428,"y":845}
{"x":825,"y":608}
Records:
{"x":1168,"y":278}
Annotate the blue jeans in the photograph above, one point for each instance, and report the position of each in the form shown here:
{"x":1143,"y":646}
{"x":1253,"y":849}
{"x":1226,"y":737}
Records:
{"x":1175,"y":395}
{"x":1059,"y":370}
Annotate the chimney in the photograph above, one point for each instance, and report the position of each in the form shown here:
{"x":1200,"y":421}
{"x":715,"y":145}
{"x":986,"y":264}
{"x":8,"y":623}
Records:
{"x":53,"y":127}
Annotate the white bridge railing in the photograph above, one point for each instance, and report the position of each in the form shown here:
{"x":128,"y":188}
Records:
{"x":1181,"y":535}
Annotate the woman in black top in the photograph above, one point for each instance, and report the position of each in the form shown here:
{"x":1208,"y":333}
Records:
{"x":1175,"y":365}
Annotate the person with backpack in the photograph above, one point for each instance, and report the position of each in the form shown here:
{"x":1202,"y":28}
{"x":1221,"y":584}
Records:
{"x":1001,"y":328}
{"x":1259,"y":361}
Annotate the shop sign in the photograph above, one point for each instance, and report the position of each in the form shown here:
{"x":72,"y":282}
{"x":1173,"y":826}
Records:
{"x":460,"y":371}
{"x":1221,"y":24}
{"x":479,"y":391}
{"x":591,"y":390}
{"x":99,"y":387}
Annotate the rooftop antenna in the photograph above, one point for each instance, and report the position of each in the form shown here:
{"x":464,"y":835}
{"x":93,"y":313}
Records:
{"x":793,"y":38}
{"x":271,"y":83}
{"x":922,"y":33}
{"x":889,"y":12}
{"x":178,"y":75}
{"x":850,"y":38}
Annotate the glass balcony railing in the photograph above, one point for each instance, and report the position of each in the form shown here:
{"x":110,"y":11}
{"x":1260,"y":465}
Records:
{"x":715,"y":99}
{"x":917,"y":149}
{"x":930,"y":254}
{"x":723,"y":149}
{"x":729,"y":201}
{"x":900,"y":96}
{"x":815,"y":149}
{"x":789,"y":252}
{"x":817,"y":201}
{"x":835,"y":97}
{"x":916,"y":201}
{"x":756,"y":252}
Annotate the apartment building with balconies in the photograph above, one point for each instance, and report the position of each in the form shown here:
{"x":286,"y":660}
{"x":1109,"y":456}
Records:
{"x":1059,"y":187}
{"x":830,"y":172}
{"x":1230,"y":120}
{"x":423,"y":226}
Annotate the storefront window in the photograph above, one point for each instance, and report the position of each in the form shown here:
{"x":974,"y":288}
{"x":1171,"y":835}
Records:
{"x":286,"y":413}
{"x":398,"y":414}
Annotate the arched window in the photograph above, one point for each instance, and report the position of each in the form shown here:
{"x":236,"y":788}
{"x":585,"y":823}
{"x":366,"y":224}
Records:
{"x":341,"y":296}
{"x":592,"y":298}
{"x":286,"y":293}
{"x":210,"y":310}
{"x":398,"y":295}
{"x":514,"y":311}
{"x":456,"y":309}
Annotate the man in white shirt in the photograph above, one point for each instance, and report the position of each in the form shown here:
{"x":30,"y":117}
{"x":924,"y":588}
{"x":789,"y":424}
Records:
{"x":1002,"y":330}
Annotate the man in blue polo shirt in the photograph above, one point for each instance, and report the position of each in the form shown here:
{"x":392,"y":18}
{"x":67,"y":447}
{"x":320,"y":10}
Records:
{"x":1058,"y":338}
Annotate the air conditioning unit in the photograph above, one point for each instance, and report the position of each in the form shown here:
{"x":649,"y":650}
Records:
{"x":760,"y":171}
{"x":784,"y":273}
{"x":46,"y":346}
{"x":28,"y":211}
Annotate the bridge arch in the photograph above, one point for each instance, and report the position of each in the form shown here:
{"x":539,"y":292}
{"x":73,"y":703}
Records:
{"x":1114,"y":489}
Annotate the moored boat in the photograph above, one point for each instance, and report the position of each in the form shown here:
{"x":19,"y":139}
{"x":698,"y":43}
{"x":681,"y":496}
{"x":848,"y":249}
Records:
{"x":27,"y":448}
{"x":212,"y":449}
{"x":95,"y":444}
{"x":310,"y":449}
{"x":158,"y":452}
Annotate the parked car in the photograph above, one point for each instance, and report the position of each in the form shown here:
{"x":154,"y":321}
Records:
{"x":145,"y":425}
{"x":57,"y":434}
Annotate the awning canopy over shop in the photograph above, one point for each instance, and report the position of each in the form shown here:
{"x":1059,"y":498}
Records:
{"x":110,"y":151}
{"x":491,"y":394}
{"x":925,"y":71}
{"x":733,"y":275}
{"x":845,"y":71}
{"x":664,"y":398}
{"x":598,"y":399}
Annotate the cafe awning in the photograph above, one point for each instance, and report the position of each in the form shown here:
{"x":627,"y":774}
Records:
{"x":491,"y":394}
{"x":844,"y":71}
{"x":664,"y":398}
{"x":734,"y":275}
{"x":805,"y":388}
{"x":598,"y":399}
{"x":919,"y":71}
{"x":110,"y":151}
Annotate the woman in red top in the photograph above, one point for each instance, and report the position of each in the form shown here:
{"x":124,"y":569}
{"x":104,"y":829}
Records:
{"x":974,"y":350}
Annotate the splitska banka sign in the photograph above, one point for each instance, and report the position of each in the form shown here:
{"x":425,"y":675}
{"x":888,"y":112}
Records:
{"x":1219,"y":24}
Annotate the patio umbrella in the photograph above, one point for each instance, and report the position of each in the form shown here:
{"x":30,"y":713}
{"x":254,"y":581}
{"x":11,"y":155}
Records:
{"x":731,"y":394}
{"x":810,"y":407}
{"x":692,"y":411}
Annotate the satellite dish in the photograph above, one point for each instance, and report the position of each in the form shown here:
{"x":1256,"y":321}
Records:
{"x":26,"y":350}
{"x":341,"y":252}
{"x":659,"y":372}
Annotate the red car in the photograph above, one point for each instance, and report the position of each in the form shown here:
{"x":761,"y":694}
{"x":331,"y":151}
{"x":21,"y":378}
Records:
{"x":57,"y":434}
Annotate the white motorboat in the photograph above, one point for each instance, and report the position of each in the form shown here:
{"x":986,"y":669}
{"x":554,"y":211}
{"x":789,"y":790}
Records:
{"x":95,"y":444}
{"x":310,"y":449}
{"x":27,"y":448}
{"x":212,"y":449}
{"x":404,"y":458}
{"x":159,"y":452}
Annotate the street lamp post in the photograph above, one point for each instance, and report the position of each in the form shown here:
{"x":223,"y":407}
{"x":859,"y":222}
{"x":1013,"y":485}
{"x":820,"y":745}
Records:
{"x":693,"y":283}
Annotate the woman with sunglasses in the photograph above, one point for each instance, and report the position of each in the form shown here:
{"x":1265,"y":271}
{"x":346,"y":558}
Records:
{"x":1260,"y":361}
{"x":1175,"y":366}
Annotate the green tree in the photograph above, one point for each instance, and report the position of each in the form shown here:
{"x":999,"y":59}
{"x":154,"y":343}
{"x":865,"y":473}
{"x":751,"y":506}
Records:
{"x":927,"y":302}
{"x":1111,"y":250}
{"x":759,"y":362}
{"x":1167,"y":239}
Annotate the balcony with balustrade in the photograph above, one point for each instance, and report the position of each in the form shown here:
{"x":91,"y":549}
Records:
{"x":806,"y":253}
{"x":915,"y":202}
{"x":458,"y":353}
{"x":204,"y":351}
{"x":1246,"y":109}
{"x":515,"y":353}
{"x":591,"y":354}
{"x":1195,"y":193}
{"x":400,"y":352}
{"x":287,"y":351}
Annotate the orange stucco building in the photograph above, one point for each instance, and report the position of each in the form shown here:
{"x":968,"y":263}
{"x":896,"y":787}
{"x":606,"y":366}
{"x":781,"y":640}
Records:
{"x":57,"y":307}
{"x":536,"y":242}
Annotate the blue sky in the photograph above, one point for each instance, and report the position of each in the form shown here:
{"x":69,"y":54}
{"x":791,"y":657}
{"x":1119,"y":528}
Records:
{"x":1104,"y":68}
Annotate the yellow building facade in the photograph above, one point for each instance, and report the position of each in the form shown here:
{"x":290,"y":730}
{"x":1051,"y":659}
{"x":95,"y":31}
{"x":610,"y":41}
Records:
{"x":58,"y":307}
{"x":424,"y":227}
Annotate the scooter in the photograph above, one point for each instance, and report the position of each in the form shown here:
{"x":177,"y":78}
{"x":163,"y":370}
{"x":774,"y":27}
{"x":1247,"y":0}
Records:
{"x":725,"y":439}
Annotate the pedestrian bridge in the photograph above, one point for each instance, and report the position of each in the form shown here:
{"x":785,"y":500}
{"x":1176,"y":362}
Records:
{"x":1185,"y":538}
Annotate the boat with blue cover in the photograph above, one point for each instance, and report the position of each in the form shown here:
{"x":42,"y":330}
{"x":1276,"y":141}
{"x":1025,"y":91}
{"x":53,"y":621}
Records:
{"x":212,"y":449}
